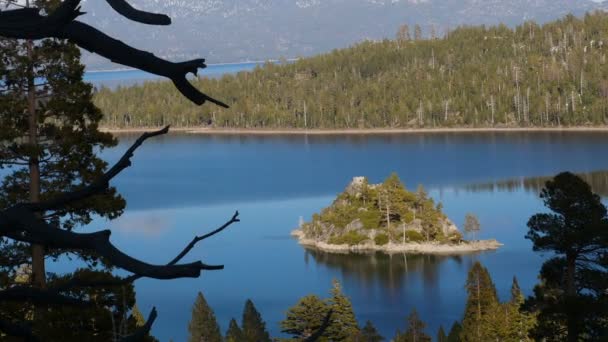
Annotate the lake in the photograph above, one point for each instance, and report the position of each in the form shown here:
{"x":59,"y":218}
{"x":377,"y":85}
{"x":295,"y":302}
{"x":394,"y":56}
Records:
{"x":182,"y":185}
{"x":129,"y":77}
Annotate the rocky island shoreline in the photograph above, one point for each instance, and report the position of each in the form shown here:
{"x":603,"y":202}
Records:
{"x":386,"y":218}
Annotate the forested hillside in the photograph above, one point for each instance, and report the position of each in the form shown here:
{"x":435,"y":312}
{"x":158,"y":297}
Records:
{"x":549,"y":75}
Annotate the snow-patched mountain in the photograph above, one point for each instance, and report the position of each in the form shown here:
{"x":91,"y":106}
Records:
{"x":237,"y":30}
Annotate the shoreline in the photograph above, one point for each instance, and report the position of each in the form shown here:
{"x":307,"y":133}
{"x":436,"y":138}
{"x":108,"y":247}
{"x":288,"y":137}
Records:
{"x":390,"y":248}
{"x":365,"y":131}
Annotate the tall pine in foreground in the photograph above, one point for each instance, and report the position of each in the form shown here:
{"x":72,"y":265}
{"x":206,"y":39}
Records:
{"x":253,"y":326}
{"x":203,"y":326}
{"x":571,"y":302}
{"x":481,"y":298}
{"x":343,"y":322}
{"x":49,"y":140}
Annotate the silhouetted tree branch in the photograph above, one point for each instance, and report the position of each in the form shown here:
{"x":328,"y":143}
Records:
{"x":27,"y":23}
{"x":142,"y":331}
{"x":126,"y":10}
{"x":78,"y":282}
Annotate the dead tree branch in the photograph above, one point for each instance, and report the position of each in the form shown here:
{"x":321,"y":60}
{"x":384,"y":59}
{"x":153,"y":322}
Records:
{"x":27,"y":23}
{"x":142,"y":331}
{"x":77,"y":282}
{"x":127,"y":11}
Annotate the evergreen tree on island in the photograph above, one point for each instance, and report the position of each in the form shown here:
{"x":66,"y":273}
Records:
{"x":571,"y":300}
{"x":203,"y":326}
{"x":253,"y":326}
{"x":376,"y":214}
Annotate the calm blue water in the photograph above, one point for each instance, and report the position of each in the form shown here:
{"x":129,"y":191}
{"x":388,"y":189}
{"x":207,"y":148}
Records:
{"x":182,"y":185}
{"x":129,"y":77}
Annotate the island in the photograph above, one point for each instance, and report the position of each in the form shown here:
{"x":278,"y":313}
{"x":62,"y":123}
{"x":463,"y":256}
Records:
{"x":385,"y":217}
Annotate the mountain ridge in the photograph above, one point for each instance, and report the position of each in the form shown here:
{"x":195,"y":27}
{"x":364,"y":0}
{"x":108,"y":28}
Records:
{"x":236,"y":31}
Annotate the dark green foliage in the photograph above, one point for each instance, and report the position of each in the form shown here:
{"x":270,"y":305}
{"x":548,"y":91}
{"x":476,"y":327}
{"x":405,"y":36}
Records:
{"x":413,"y":236}
{"x":343,"y":324}
{"x":381,"y":239}
{"x":203,"y":325}
{"x":63,"y":144}
{"x":369,"y":334}
{"x":481,"y":298}
{"x":455,"y":331}
{"x":530,"y":75}
{"x":415,"y":330}
{"x":571,"y":300}
{"x":487,"y":319}
{"x":305,"y":318}
{"x":441,"y":336}
{"x":253,"y":326}
{"x":350,"y":238}
{"x":234,"y":333}
{"x":106,"y":318}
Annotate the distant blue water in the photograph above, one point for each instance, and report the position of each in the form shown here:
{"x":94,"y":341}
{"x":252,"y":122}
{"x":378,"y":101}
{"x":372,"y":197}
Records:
{"x":183,"y":185}
{"x":129,"y":77}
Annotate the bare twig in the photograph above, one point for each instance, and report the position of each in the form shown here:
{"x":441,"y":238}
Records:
{"x":20,"y":224}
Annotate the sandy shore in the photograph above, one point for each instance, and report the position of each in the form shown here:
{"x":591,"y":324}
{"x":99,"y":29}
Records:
{"x":245,"y":131}
{"x":391,"y":248}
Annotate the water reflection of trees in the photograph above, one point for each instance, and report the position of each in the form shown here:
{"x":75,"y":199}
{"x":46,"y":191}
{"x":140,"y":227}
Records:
{"x":393,"y":272}
{"x":597,"y":179}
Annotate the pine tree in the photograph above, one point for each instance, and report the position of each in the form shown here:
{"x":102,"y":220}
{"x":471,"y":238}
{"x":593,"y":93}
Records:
{"x":305,"y":318}
{"x":572,"y":295}
{"x":234,"y":333}
{"x":369,"y":334}
{"x":455,"y":331}
{"x":516,"y":294}
{"x":481,"y":298}
{"x":253,"y":326}
{"x":203,"y":326}
{"x":441,"y":336}
{"x":49,"y":138}
{"x":343,"y":322}
{"x":415,"y":330}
